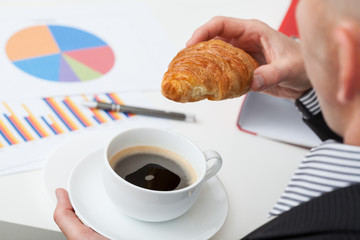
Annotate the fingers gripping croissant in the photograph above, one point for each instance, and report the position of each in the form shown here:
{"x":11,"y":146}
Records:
{"x":214,"y":69}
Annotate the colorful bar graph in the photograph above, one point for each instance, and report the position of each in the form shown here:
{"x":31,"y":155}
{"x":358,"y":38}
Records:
{"x":27,"y":120}
{"x":113,"y":115}
{"x":18,"y":126}
{"x":35,"y":124}
{"x":56,"y":126}
{"x":69,"y":123}
{"x":7,"y":135}
{"x":116,"y":99}
{"x":77,"y":112}
{"x":49,"y":125}
{"x":97,"y":113}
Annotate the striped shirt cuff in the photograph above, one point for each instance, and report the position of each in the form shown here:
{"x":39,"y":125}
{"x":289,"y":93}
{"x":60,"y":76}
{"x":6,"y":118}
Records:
{"x":310,"y":101}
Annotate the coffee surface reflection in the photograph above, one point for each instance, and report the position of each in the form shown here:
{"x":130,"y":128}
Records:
{"x":153,"y":168}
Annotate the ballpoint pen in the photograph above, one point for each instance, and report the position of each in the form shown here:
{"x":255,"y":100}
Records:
{"x":139,"y":110}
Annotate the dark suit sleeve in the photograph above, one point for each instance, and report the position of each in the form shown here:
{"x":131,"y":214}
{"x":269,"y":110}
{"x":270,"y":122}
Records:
{"x":312,"y":116}
{"x":333,"y":216}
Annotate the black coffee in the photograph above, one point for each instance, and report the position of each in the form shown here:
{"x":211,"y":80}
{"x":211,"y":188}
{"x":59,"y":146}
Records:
{"x":153,"y":168}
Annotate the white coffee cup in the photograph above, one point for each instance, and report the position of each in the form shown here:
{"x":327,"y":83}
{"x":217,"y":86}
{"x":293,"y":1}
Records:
{"x":152,"y":205}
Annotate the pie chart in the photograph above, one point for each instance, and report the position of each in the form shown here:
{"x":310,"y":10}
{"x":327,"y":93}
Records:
{"x":60,"y":53}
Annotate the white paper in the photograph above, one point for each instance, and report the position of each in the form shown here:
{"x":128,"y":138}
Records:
{"x":32,"y":128}
{"x":142,"y":50}
{"x":139,"y":53}
{"x":275,"y":118}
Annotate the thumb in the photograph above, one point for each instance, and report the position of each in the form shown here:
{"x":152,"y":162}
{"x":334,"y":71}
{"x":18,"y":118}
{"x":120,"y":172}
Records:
{"x":265,"y":77}
{"x":65,"y":217}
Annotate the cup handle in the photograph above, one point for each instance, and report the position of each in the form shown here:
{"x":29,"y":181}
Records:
{"x":212,"y":169}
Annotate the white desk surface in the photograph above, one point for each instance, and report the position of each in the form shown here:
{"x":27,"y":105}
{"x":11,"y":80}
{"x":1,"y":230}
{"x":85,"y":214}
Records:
{"x":255,"y":169}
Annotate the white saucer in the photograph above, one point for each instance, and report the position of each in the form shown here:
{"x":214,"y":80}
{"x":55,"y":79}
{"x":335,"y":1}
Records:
{"x":97,"y":211}
{"x":60,"y":163}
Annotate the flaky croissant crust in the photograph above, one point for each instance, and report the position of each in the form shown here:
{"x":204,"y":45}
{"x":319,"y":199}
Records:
{"x":213,"y":69}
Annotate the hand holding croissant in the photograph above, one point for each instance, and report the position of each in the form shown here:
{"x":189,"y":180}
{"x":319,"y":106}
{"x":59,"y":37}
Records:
{"x":214,"y":69}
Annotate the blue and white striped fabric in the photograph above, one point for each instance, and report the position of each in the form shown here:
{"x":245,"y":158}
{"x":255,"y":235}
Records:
{"x":325,"y":168}
{"x":311,"y":102}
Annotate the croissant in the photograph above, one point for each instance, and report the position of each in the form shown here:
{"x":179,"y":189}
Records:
{"x":213,"y":69}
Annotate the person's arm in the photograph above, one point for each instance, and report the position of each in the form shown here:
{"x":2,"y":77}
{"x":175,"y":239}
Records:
{"x":309,"y":106}
{"x":281,"y":72}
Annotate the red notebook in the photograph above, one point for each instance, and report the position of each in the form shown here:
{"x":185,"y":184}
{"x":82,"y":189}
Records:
{"x":273,"y":117}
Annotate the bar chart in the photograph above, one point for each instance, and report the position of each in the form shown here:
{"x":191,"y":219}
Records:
{"x":22,"y":122}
